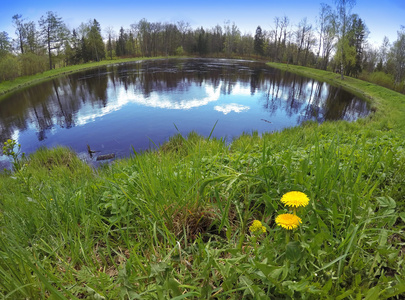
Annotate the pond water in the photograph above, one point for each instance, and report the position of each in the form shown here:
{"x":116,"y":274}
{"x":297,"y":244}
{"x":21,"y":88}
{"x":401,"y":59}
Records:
{"x":141,"y":104}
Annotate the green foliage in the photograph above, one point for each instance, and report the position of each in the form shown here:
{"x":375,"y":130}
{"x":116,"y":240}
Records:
{"x":8,"y":67}
{"x":53,"y":32}
{"x":13,"y":150}
{"x":380,"y":78}
{"x":179,"y":51}
{"x":346,"y":54}
{"x":32,"y":64}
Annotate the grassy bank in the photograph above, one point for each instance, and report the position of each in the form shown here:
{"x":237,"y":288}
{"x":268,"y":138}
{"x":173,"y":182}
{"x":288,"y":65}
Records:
{"x":388,"y":104}
{"x":174,"y":223}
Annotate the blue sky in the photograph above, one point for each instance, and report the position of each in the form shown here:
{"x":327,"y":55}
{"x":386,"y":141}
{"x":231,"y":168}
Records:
{"x":383,"y":17}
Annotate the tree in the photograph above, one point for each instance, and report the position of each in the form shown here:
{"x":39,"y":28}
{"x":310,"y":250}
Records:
{"x":282,"y":33}
{"x":19,"y":30}
{"x":121,"y":42}
{"x":259,"y":41}
{"x":184,"y":28}
{"x":130,"y":45}
{"x":8,"y":67}
{"x":32,"y":40}
{"x":80,"y":39}
{"x":346,"y":55}
{"x":326,"y":35}
{"x":398,"y":56}
{"x":5,"y":45}
{"x":202,"y":42}
{"x":383,"y":54}
{"x":246,"y":45}
{"x":171,"y":38}
{"x":343,"y":8}
{"x":143,"y":29}
{"x":27,"y":35}
{"x":74,"y":53}
{"x":304,"y":39}
{"x":217,"y":40}
{"x":110,"y":47}
{"x":156,"y":30}
{"x":357,"y":35}
{"x":95,"y":41}
{"x":232,"y":38}
{"x":370,"y":60}
{"x":53,"y":32}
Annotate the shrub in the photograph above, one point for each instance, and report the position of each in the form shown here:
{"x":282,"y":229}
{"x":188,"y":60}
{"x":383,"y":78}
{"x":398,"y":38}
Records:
{"x":32,"y":64}
{"x":380,"y":78}
{"x":8,"y":68}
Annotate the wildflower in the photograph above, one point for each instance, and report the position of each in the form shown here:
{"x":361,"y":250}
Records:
{"x":257,"y":227}
{"x":288,"y":221}
{"x":295,"y":199}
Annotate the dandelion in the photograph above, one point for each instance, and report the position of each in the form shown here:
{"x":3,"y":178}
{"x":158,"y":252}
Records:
{"x":257,"y":227}
{"x":288,"y":221}
{"x":295,"y":199}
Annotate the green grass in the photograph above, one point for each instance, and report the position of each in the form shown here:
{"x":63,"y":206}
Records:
{"x":389,"y":106}
{"x":173,"y":223}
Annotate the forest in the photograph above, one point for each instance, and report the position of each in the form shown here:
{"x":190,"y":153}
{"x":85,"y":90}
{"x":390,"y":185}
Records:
{"x":338,"y":41}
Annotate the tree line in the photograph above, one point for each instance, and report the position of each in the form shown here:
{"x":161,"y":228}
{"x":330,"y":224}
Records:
{"x":337,"y":42}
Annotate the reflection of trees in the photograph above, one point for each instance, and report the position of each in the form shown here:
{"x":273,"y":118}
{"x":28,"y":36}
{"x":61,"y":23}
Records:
{"x":51,"y":103}
{"x":310,"y":100}
{"x":167,"y":76}
{"x":57,"y":102}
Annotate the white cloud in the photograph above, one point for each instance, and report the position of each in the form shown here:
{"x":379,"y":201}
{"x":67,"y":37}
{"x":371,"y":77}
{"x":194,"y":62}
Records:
{"x":227,"y":108}
{"x":155,"y":100}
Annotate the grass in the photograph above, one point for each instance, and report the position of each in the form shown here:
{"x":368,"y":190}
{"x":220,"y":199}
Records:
{"x":388,"y":105}
{"x":174,"y":223}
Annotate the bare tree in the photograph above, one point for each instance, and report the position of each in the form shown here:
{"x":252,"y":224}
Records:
{"x":383,"y":54}
{"x":232,"y":37}
{"x":280,"y":34}
{"x":398,"y":56}
{"x":110,"y":34}
{"x":302,"y":35}
{"x":325,"y":25}
{"x":19,"y":30}
{"x":183,"y":27}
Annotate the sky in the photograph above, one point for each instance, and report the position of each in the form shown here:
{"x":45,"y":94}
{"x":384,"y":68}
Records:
{"x":382,"y":17}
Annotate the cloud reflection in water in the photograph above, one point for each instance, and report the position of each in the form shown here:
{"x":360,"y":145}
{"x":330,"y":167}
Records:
{"x":227,"y":108}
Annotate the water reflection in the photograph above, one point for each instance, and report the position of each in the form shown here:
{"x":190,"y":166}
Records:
{"x":144,"y":99}
{"x":232,"y":107}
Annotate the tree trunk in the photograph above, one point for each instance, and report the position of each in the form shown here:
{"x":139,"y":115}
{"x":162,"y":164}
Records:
{"x":49,"y":53}
{"x":341,"y":65}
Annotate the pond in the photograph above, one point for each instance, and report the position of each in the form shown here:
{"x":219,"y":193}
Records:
{"x":141,"y":104}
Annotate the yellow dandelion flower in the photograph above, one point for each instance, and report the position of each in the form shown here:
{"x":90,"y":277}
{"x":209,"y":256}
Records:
{"x":295,"y":199}
{"x":257,"y":227}
{"x":288,"y":221}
